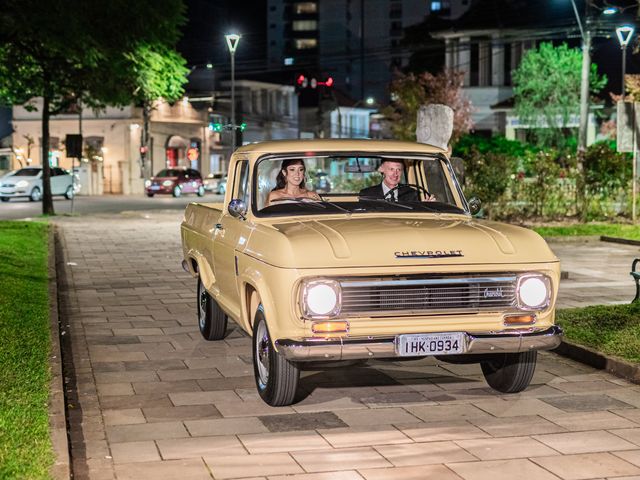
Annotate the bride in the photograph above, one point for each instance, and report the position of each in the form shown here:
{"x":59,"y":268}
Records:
{"x":290,"y":184}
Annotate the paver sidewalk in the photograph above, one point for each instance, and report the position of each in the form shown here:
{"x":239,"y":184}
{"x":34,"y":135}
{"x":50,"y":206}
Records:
{"x":151,"y":399}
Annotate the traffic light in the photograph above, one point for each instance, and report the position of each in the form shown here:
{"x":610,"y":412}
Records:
{"x":304,"y":82}
{"x":243,"y":125}
{"x":216,"y":127}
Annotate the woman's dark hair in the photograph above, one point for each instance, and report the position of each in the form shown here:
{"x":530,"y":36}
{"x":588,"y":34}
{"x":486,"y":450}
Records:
{"x":281,"y":181}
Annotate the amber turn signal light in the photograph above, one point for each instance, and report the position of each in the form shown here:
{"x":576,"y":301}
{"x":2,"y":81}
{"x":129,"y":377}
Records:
{"x":330,"y":327}
{"x":519,"y":320}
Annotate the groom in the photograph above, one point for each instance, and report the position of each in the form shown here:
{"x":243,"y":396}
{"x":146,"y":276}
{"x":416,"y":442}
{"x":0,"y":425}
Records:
{"x":391,"y":170}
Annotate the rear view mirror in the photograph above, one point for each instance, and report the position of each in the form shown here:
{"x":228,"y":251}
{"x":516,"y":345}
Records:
{"x":237,"y":208}
{"x":359,"y":168}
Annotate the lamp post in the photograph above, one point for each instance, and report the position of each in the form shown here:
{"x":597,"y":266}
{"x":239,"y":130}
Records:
{"x":232,"y":42}
{"x":624,"y":34}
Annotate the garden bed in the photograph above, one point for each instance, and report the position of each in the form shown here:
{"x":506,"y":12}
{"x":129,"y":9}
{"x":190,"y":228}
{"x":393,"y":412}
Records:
{"x":25,"y":445}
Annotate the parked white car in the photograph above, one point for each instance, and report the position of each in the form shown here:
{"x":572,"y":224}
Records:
{"x":27,"y":182}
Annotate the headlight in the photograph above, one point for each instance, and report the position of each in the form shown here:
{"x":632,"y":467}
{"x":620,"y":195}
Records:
{"x":167,"y":183}
{"x":534,"y":291}
{"x":321,"y":298}
{"x":147,"y":183}
{"x":22,"y":184}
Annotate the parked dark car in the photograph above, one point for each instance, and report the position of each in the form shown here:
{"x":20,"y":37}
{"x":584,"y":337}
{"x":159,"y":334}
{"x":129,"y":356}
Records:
{"x":175,"y":181}
{"x":321,"y":182}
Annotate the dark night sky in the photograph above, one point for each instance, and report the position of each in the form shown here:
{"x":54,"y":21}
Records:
{"x":209,"y":20}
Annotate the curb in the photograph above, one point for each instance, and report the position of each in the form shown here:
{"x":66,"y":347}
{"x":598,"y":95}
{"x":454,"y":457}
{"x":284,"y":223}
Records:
{"x":624,"y":241}
{"x":57,"y":413}
{"x":616,"y":366}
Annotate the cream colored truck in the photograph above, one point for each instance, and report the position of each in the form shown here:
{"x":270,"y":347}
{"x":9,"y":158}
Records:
{"x":365,"y":277}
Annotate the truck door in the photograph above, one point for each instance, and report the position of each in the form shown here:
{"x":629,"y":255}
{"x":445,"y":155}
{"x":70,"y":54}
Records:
{"x":230,"y":234}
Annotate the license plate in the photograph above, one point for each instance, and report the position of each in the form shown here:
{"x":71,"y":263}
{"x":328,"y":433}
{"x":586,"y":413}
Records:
{"x":430,"y":344}
{"x":155,"y":187}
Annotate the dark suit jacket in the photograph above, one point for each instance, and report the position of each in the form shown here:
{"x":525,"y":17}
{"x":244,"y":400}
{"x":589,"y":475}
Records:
{"x":405,"y":194}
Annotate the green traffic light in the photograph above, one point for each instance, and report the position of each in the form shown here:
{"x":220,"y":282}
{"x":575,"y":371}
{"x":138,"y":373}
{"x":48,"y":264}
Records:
{"x":216,"y":127}
{"x":243,"y":126}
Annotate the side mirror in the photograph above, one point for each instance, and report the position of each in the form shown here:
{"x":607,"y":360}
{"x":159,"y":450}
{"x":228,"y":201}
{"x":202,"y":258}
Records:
{"x":475,"y":205}
{"x":238,"y":209}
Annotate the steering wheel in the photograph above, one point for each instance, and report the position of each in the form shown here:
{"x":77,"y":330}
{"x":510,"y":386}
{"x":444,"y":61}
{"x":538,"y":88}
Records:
{"x":416,"y":188}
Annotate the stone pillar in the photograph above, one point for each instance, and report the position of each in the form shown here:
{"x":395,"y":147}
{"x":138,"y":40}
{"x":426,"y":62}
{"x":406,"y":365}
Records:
{"x":497,"y":62}
{"x":464,"y":59}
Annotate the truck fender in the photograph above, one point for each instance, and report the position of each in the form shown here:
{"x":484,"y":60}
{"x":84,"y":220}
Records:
{"x":200,"y":268}
{"x":255,"y":292}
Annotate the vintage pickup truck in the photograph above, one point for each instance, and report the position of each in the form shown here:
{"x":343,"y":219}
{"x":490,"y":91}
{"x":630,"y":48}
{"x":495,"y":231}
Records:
{"x":347,"y":275}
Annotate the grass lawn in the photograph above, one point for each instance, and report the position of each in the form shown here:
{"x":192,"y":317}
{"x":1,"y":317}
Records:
{"x":25,"y":446}
{"x":610,"y":329}
{"x":631,"y":232}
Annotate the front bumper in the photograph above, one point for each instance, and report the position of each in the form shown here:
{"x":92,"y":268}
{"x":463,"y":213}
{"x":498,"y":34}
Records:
{"x":506,"y":341}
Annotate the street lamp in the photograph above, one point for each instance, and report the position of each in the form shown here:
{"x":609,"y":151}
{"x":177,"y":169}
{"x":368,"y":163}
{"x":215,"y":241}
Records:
{"x":232,"y":42}
{"x":624,"y":33}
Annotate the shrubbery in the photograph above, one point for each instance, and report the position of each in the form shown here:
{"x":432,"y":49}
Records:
{"x":517,"y":181}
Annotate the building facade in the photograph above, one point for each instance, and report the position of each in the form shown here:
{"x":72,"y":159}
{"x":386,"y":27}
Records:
{"x":179,"y":136}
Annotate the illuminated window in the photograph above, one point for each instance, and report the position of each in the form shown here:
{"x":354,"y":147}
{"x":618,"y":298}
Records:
{"x":436,"y":6}
{"x":304,"y":25}
{"x":306,"y":7}
{"x":305,"y":43}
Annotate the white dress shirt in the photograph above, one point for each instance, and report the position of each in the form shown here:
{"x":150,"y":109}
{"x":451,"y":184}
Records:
{"x":386,"y":189}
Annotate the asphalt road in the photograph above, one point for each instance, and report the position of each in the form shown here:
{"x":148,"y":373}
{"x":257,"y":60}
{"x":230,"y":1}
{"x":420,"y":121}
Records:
{"x":85,"y":205}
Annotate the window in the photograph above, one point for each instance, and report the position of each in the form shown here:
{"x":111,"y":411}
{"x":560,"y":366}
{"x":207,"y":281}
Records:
{"x":305,"y":43}
{"x":304,"y":25}
{"x":240,"y":189}
{"x":436,"y":6}
{"x":5,"y":162}
{"x":305,"y":7}
{"x":289,"y":61}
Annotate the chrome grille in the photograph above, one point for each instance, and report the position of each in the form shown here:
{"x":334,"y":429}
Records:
{"x":427,"y":294}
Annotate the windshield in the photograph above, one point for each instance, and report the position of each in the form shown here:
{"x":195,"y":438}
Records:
{"x":169,"y":172}
{"x":298,"y":185}
{"x":27,"y":172}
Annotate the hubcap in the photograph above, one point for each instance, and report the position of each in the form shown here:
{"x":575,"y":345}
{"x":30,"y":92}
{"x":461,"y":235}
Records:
{"x":263,"y":350}
{"x":202,"y":306}
{"x":36,"y":194}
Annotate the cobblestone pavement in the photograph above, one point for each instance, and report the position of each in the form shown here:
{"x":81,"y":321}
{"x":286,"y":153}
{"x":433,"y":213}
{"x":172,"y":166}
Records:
{"x":151,"y":399}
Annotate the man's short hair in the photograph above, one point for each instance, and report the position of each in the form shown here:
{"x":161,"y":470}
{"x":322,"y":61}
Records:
{"x":394,"y":160}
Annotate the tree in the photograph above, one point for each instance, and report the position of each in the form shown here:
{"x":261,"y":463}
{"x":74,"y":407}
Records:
{"x":409,"y":92}
{"x":547,"y":91}
{"x":65,"y":50}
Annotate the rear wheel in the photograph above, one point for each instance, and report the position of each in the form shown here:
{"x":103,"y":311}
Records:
{"x":212,"y":321}
{"x":276,"y":377}
{"x":150,"y":195}
{"x":510,"y":372}
{"x":68,"y":194}
{"x":177,"y":191}
{"x":200,"y":191}
{"x":35,"y":194}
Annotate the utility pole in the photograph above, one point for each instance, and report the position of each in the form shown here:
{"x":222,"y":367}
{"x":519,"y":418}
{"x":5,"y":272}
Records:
{"x":584,"y":106}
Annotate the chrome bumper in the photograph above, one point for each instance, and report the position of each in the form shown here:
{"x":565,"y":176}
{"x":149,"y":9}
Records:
{"x":506,"y":341}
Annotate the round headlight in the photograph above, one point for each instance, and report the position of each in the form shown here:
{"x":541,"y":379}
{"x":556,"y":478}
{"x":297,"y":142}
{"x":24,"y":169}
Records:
{"x":147,"y":183}
{"x":167,"y":183}
{"x":533,"y":292}
{"x":321,"y":299}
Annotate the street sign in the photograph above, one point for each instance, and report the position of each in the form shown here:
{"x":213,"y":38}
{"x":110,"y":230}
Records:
{"x":73,"y":146}
{"x":628,"y":117}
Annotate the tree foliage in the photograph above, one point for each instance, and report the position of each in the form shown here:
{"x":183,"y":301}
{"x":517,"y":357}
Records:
{"x":65,"y":50}
{"x":547,"y":91}
{"x":409,"y":92}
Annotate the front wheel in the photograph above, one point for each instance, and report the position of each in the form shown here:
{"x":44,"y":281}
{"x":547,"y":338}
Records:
{"x":212,"y":321}
{"x":276,"y":377}
{"x":177,"y":191}
{"x":510,"y":372}
{"x":200,"y":191}
{"x":4,"y":199}
{"x":150,"y":195}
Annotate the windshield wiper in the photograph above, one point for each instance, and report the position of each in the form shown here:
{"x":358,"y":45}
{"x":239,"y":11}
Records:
{"x":335,"y":205}
{"x":388,"y":202}
{"x":301,"y":200}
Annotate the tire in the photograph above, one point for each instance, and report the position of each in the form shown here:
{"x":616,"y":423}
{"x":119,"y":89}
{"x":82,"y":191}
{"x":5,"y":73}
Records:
{"x":510,"y":372}
{"x":201,"y":191}
{"x":68,"y":194}
{"x":150,"y":195}
{"x":4,"y":199}
{"x":35,"y":195}
{"x":212,"y":321}
{"x":276,"y":377}
{"x":177,"y":191}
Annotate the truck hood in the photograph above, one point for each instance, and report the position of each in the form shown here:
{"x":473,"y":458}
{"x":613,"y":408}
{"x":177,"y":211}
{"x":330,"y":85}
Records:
{"x":393,"y":241}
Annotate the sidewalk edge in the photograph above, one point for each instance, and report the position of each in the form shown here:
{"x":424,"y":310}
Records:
{"x":616,"y":366}
{"x":61,"y":469}
{"x":624,"y":241}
